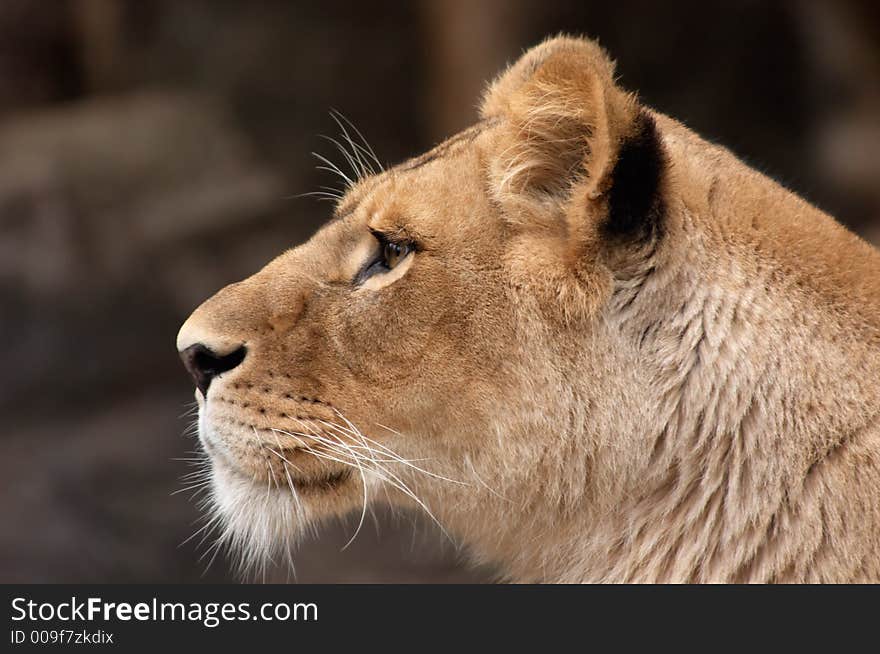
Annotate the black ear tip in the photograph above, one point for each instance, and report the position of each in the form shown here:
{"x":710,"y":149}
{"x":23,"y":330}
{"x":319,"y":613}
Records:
{"x":635,"y":207}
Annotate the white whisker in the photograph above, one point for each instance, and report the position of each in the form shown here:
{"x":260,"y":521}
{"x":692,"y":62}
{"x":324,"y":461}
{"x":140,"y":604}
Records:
{"x":332,"y":168}
{"x":367,"y":148}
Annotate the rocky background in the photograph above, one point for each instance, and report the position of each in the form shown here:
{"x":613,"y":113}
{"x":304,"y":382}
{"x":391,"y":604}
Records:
{"x":149,"y":152}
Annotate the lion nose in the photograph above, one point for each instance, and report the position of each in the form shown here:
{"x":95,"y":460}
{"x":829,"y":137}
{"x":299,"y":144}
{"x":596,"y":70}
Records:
{"x":204,"y":364}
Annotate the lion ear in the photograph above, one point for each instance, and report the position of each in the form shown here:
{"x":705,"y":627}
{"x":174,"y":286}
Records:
{"x":566,"y":132}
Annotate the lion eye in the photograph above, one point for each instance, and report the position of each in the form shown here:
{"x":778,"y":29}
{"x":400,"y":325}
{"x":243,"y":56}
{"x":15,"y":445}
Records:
{"x":394,"y":253}
{"x":389,"y":256}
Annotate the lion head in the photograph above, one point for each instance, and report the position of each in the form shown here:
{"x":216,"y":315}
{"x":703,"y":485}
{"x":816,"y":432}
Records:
{"x":478,"y":333}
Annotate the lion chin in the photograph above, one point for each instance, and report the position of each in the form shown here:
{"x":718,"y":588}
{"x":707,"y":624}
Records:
{"x":587,"y":343}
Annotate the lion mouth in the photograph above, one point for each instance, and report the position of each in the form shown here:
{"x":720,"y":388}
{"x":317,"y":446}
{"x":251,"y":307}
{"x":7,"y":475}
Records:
{"x":317,"y":484}
{"x":281,"y":481}
{"x":280,"y":474}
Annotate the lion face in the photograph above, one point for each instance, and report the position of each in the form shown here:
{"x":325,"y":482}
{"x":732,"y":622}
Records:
{"x":388,"y":336}
{"x":426,"y":339}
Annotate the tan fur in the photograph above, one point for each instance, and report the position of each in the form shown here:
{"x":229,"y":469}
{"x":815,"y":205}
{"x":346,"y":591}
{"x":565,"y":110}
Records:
{"x":704,"y":407}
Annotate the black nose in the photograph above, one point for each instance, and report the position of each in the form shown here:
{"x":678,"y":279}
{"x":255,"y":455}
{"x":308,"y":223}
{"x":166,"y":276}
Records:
{"x":204,"y":364}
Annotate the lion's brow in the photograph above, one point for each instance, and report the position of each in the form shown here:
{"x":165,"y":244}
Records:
{"x":336,"y":217}
{"x":443,"y":148}
{"x":438,"y":152}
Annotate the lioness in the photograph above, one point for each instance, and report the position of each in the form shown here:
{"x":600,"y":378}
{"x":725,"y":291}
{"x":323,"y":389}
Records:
{"x":591,"y":345}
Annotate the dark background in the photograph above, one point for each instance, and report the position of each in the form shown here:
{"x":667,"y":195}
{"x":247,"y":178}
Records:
{"x":148,"y":155}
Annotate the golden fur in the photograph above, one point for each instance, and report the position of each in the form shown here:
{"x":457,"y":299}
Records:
{"x":618,"y":354}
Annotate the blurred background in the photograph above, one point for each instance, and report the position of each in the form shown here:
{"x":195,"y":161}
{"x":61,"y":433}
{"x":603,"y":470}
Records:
{"x":148,"y":154}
